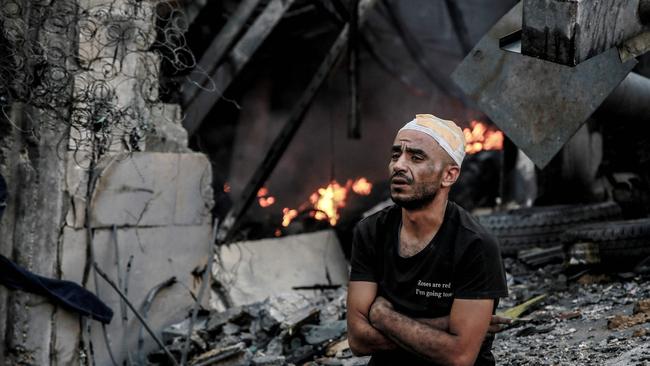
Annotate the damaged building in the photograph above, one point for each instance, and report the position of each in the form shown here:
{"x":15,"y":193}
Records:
{"x":180,"y":180}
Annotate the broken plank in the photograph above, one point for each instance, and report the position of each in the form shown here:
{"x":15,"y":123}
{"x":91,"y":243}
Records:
{"x":220,"y":45}
{"x":198,"y":108}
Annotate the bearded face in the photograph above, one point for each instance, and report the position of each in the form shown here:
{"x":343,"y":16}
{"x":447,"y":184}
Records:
{"x":416,"y":169}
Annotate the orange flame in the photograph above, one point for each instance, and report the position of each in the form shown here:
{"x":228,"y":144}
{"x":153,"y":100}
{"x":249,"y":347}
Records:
{"x":263,"y":197}
{"x":362,"y":187}
{"x":266,"y":201}
{"x":288,"y":215}
{"x":480,"y":138}
{"x":326,"y":201}
{"x":226,"y":187}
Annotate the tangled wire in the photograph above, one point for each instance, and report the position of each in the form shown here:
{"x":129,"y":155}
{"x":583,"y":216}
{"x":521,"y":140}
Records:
{"x":94,"y":67}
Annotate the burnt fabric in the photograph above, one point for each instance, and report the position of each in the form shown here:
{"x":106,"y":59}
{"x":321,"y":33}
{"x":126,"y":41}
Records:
{"x":68,"y":294}
{"x":462,"y":261}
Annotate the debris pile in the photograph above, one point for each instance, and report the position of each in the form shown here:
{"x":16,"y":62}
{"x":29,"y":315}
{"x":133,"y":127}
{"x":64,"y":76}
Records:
{"x":288,"y":329}
{"x":585,"y":318}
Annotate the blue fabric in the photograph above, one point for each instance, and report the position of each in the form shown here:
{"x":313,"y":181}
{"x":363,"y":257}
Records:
{"x":68,"y":294}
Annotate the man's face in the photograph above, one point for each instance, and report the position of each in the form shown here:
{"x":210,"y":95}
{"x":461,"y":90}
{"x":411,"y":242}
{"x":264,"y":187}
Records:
{"x":416,"y":168}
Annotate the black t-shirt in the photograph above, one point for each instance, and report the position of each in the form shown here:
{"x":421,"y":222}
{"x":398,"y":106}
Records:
{"x":461,"y":262}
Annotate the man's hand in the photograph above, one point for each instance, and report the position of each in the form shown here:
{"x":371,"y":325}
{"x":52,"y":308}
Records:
{"x":498,"y":323}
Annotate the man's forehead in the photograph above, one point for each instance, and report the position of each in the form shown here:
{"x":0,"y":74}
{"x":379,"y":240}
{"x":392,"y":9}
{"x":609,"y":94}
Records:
{"x":415,"y":139}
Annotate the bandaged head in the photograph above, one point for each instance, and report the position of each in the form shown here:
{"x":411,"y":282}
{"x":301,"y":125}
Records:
{"x":449,"y":136}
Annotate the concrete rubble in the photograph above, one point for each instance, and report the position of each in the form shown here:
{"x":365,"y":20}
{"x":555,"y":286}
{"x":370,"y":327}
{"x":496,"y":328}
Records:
{"x":293,"y":328}
{"x":581,"y":321}
{"x":254,"y":270}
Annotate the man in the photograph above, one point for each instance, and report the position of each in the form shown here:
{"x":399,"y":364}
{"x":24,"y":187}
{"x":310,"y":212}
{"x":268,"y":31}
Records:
{"x":426,"y":278}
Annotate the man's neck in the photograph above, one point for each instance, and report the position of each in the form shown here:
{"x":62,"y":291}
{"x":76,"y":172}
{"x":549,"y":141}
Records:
{"x":421,"y":225}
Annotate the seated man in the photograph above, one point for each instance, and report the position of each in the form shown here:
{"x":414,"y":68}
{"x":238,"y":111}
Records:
{"x":426,"y":277}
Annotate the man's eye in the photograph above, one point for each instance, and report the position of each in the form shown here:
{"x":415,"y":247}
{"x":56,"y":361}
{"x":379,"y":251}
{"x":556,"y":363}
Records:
{"x":395,"y":156}
{"x":416,"y":158}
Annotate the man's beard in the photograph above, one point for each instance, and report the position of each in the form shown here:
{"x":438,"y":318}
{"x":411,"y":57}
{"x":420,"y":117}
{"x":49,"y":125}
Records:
{"x":423,"y":195}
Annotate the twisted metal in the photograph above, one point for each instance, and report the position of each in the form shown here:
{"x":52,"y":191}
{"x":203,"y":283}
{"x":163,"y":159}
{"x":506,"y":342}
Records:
{"x":93,"y":64}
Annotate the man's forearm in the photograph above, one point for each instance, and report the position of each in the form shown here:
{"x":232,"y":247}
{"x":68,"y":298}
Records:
{"x":417,"y":336}
{"x":367,"y":339}
{"x":364,"y":339}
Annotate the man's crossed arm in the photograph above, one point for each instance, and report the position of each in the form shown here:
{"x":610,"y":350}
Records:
{"x":374,"y":326}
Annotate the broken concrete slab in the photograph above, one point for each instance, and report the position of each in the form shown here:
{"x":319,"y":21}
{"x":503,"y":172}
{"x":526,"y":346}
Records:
{"x":145,"y":189}
{"x":158,"y":253}
{"x":168,"y":133}
{"x":252,"y":271}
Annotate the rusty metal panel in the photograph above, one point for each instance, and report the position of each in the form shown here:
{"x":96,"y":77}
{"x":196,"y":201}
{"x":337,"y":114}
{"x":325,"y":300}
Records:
{"x":572,"y":31}
{"x":538,"y":104}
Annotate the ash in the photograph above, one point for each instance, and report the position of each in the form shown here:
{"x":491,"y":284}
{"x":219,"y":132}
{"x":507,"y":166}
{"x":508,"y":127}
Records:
{"x":586,"y":319}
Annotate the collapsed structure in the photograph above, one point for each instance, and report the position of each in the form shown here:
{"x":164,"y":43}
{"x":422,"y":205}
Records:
{"x":102,"y":182}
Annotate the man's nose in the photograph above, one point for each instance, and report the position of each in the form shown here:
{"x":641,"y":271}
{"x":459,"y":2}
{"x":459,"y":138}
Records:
{"x":400,"y":164}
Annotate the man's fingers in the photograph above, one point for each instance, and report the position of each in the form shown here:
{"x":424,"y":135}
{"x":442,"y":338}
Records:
{"x":495,"y":328}
{"x":500,"y":320}
{"x":498,"y":323}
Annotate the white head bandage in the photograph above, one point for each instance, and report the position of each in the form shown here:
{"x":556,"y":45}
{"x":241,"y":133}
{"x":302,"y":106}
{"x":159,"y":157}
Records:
{"x":448,"y":135}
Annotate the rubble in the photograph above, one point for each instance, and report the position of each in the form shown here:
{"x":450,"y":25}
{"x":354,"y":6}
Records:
{"x":253,"y":270}
{"x":570,"y":325}
{"x":640,"y":315}
{"x":291,"y":328}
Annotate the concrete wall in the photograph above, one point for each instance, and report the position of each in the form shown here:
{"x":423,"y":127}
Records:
{"x":160,"y":205}
{"x":159,"y":199}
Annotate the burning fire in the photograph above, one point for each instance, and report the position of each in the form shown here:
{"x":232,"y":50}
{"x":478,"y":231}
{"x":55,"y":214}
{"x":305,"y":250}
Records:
{"x":288,"y":215}
{"x":480,"y":137}
{"x":263,"y":197}
{"x":362,"y":187}
{"x":326,"y":201}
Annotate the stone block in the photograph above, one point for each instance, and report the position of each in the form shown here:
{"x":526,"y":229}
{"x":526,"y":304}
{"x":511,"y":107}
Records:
{"x":157,"y":254}
{"x":144,"y":189}
{"x":169,"y":134}
{"x":255,"y":270}
{"x":194,"y":196}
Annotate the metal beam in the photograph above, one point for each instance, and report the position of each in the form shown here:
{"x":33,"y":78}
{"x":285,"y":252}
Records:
{"x":538,"y":104}
{"x":198,"y":108}
{"x":354,"y":113}
{"x":281,"y":142}
{"x":571,"y":31}
{"x":220,"y":45}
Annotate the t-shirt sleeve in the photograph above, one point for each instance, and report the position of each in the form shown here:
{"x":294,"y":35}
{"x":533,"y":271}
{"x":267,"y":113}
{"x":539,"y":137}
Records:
{"x":363,"y":257}
{"x":479,"y":272}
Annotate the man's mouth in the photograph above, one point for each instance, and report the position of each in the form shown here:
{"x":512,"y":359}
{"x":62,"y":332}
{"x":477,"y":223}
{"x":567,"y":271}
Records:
{"x":399,"y":181}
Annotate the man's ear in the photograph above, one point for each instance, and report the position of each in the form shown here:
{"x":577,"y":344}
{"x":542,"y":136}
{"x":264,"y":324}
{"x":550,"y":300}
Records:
{"x":450,"y":175}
